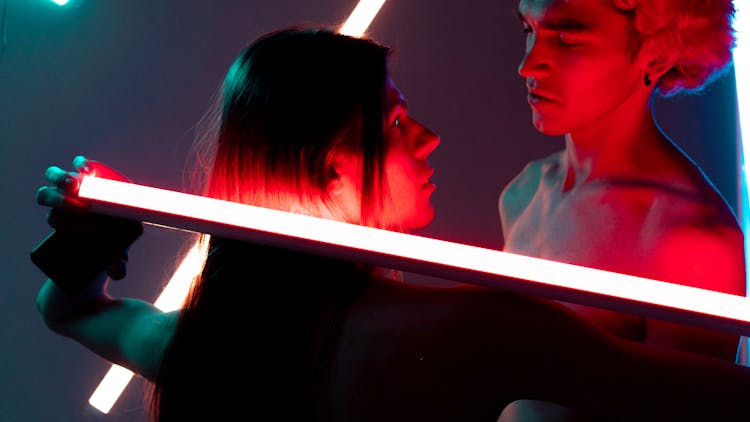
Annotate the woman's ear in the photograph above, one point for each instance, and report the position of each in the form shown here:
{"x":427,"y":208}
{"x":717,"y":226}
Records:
{"x":343,"y":185}
{"x":342,"y":174}
{"x":334,"y":181}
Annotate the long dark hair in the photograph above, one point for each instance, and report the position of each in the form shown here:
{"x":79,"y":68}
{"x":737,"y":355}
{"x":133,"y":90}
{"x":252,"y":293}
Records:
{"x":254,"y":331}
{"x":290,"y":100}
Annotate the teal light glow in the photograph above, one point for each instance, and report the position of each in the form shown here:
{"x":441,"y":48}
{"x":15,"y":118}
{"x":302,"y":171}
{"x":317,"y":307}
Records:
{"x":741,"y":65}
{"x":60,"y":2}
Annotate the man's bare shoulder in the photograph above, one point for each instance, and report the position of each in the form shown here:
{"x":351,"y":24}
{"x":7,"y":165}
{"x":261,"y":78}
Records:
{"x":517,"y":194}
{"x":662,"y":206}
{"x":708,"y":255}
{"x":531,"y":175}
{"x":693,"y":227}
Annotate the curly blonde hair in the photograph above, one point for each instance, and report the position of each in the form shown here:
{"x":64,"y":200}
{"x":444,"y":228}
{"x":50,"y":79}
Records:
{"x":697,"y":35}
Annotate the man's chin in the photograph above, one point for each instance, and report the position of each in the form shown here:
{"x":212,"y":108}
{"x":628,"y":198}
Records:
{"x":545,"y":128}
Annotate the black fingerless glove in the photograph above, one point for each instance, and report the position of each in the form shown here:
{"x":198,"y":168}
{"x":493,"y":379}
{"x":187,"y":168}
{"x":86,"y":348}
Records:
{"x":73,"y":258}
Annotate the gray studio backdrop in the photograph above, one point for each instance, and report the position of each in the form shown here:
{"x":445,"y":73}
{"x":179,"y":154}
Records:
{"x":125,"y":81}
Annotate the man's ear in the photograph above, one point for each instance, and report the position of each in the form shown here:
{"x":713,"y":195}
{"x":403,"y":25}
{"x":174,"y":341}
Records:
{"x":656,"y":68}
{"x":657,"y":61}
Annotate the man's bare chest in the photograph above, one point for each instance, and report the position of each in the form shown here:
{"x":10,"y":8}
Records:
{"x":586,"y":227}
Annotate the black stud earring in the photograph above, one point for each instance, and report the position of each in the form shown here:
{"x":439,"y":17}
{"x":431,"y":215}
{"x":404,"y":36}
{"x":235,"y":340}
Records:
{"x":647,"y":80}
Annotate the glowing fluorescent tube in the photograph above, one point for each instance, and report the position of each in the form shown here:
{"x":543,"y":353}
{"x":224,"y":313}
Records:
{"x":433,"y":257}
{"x":177,"y":288}
{"x":110,"y":388}
{"x":361,"y":17}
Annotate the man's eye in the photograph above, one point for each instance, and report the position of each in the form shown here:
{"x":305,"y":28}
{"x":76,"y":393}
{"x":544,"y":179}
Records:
{"x":397,"y":121}
{"x":526,"y":27}
{"x":567,"y":39}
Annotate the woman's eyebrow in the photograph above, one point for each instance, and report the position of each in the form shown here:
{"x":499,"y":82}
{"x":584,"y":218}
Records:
{"x":400,"y":103}
{"x":396,"y":102}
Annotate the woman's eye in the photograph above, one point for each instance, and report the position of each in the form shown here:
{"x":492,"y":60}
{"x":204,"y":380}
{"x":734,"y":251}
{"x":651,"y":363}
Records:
{"x":525,"y":27}
{"x":397,"y":121}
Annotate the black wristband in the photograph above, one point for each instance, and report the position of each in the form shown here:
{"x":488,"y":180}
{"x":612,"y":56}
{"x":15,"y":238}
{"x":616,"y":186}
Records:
{"x":72,"y":258}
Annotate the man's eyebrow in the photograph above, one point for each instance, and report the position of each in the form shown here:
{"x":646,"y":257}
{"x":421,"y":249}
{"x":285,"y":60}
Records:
{"x":559,"y":24}
{"x":565,"y":25}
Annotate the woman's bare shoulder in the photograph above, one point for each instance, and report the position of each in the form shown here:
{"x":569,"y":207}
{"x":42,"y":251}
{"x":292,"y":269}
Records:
{"x":446,"y":311}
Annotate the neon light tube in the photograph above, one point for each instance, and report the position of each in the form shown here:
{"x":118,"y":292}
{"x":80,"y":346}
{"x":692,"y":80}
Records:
{"x":361,"y":17}
{"x":110,"y":388}
{"x":433,"y":257}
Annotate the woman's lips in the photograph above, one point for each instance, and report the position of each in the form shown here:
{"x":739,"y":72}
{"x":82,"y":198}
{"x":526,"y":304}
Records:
{"x":429,"y":182}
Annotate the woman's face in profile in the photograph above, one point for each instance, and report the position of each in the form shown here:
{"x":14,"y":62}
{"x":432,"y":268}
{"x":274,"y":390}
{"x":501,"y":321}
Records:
{"x":409,"y":144}
{"x":407,"y":173}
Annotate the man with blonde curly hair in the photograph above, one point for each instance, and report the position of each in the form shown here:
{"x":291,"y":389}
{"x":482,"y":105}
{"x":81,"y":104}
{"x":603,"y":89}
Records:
{"x":622,"y":196}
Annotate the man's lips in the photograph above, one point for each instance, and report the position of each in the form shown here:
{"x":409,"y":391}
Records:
{"x":537,"y":97}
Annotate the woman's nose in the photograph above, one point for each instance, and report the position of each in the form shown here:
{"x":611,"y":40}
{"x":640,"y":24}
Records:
{"x":427,"y":142}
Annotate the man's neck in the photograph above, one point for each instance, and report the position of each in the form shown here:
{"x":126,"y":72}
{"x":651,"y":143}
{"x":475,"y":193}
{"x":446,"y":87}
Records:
{"x":609,"y":148}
